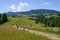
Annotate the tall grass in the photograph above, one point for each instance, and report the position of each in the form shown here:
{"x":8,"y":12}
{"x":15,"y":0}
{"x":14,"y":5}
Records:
{"x":9,"y":33}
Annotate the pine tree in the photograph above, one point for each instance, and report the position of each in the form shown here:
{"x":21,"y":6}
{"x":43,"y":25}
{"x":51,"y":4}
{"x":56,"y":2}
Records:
{"x":4,"y":17}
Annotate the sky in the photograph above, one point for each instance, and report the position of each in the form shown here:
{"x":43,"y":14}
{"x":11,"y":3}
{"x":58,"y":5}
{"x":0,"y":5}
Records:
{"x":25,"y":5}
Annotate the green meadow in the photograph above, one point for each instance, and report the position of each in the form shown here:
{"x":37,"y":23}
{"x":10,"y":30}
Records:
{"x":9,"y":33}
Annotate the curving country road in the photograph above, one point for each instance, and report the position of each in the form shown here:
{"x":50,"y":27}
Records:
{"x":50,"y":36}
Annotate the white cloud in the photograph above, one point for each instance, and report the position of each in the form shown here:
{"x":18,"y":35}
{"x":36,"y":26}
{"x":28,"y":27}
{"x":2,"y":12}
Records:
{"x":46,"y":3}
{"x":12,"y":7}
{"x":24,"y":4}
{"x":19,"y":7}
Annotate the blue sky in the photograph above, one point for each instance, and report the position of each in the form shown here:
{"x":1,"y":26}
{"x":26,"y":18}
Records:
{"x":24,"y":5}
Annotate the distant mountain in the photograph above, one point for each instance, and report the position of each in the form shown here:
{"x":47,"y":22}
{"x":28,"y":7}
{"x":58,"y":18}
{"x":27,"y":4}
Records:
{"x":37,"y":11}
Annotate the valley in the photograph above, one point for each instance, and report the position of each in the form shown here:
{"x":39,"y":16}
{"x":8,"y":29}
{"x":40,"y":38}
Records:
{"x":31,"y":27}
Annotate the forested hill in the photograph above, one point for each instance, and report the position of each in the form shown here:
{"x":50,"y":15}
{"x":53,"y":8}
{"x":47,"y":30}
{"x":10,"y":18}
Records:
{"x":37,"y":11}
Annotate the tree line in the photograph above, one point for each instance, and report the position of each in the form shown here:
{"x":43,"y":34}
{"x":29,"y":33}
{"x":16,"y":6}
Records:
{"x":52,"y":21}
{"x":49,"y":22}
{"x":3,"y":18}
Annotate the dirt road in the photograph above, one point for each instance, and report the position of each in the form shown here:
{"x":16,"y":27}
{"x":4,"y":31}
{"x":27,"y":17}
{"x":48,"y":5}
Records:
{"x":50,"y":36}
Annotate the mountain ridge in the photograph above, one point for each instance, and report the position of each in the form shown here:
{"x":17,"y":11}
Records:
{"x":36,"y":11}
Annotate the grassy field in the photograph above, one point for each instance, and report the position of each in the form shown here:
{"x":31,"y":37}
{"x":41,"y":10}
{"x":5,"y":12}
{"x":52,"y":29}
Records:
{"x":25,"y":22}
{"x":46,"y":31}
{"x":9,"y":33}
{"x":11,"y":21}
